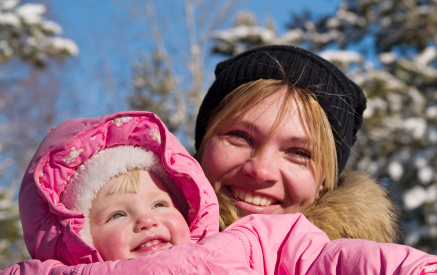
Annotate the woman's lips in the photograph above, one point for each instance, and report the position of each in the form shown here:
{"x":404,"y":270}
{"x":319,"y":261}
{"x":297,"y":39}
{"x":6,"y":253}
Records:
{"x":251,"y":198}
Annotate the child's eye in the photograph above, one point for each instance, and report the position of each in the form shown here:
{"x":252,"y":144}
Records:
{"x":116,"y":216}
{"x":160,"y":204}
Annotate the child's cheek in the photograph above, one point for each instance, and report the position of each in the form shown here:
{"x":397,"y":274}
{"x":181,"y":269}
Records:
{"x":178,"y":227}
{"x":112,"y":243}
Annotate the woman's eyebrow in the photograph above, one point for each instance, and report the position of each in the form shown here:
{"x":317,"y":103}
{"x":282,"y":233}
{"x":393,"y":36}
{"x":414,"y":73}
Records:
{"x":300,"y":139}
{"x":295,"y":139}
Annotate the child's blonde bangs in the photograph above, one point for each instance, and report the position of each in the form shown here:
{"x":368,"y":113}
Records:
{"x":128,"y":182}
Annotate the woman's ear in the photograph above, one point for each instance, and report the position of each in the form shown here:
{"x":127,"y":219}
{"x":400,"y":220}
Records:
{"x":320,"y":189}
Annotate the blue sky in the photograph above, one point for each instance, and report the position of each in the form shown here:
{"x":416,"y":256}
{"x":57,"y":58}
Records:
{"x":112,"y":34}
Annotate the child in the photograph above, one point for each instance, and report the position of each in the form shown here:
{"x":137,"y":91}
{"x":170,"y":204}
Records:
{"x":66,"y":241}
{"x":79,"y":157}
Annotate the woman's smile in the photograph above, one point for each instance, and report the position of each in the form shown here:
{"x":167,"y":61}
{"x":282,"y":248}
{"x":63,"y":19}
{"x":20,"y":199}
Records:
{"x":252,"y":198}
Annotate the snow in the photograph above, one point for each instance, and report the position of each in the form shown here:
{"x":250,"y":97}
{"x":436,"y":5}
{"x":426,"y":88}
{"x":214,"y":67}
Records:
{"x":59,"y":43}
{"x":420,"y":160}
{"x":414,"y":197}
{"x":372,"y":105}
{"x":31,"y":13}
{"x":426,"y":174}
{"x":416,"y":126}
{"x":431,"y":112}
{"x":10,"y":19}
{"x":386,"y":21}
{"x":245,"y":32}
{"x":347,"y":16}
{"x":291,"y":37}
{"x":429,"y":54}
{"x":395,"y":102}
{"x":8,"y":4}
{"x":418,"y":195}
{"x":5,"y":49}
{"x":391,"y":82}
{"x":432,"y":135}
{"x":395,"y":170}
{"x":333,"y":22}
{"x":343,"y":57}
{"x":387,"y":58}
{"x":325,"y":37}
{"x":51,"y":27}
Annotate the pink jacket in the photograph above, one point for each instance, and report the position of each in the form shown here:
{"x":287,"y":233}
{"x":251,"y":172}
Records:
{"x":257,"y":244}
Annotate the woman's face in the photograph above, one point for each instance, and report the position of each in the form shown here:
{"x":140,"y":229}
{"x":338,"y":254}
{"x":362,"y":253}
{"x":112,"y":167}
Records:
{"x":279,"y":178}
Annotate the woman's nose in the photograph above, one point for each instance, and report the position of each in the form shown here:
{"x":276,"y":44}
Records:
{"x":145,"y":222}
{"x":262,"y":167}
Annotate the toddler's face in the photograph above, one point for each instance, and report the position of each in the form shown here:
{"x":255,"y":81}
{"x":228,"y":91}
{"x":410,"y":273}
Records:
{"x":132,"y":225}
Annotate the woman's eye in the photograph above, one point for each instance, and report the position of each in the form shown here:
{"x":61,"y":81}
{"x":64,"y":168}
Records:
{"x":300,"y":153}
{"x":239,"y":136}
{"x":116,"y":216}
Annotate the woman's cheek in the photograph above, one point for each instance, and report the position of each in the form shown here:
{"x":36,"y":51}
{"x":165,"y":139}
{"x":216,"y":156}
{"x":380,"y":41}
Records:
{"x":212,"y":161}
{"x":222,"y":161}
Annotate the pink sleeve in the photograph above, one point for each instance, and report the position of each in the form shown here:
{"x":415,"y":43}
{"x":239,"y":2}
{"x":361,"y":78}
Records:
{"x":217,"y":254}
{"x":290,"y":244}
{"x":283,"y":244}
{"x":349,"y":256}
{"x":259,"y":244}
{"x":32,"y":267}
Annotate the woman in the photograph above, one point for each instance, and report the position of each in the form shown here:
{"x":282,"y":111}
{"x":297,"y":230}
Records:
{"x":274,"y":133}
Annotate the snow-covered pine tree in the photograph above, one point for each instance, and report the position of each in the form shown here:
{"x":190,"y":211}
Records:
{"x":171,"y":80}
{"x":27,"y":44}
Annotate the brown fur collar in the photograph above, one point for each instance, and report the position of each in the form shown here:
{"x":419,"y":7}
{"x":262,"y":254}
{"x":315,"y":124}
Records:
{"x":359,"y":208}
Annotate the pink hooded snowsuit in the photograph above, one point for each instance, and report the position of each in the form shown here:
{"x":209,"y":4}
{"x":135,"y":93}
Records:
{"x":256,"y":244}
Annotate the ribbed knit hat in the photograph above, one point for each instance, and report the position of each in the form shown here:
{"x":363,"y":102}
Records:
{"x":341,"y":99}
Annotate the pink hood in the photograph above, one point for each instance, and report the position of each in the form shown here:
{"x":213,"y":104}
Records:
{"x":51,"y":230}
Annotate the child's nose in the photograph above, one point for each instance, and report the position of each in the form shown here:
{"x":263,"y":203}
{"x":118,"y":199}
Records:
{"x":145,"y":222}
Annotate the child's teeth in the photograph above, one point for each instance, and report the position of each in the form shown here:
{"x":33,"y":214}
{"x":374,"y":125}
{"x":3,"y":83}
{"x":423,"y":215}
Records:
{"x":155,"y":242}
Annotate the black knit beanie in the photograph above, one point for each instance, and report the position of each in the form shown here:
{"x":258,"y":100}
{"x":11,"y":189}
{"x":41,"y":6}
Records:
{"x":341,"y":99}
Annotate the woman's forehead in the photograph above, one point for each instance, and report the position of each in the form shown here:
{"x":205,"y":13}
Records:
{"x":281,"y":109}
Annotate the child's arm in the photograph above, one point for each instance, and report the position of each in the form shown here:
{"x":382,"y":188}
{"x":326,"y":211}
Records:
{"x":304,"y":249}
{"x":349,"y":256}
{"x":259,"y":244}
{"x":33,"y":267}
{"x":218,"y":254}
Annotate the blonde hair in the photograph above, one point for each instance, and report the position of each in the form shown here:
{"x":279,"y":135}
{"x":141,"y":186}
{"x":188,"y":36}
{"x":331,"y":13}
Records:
{"x":128,"y":182}
{"x":248,"y":95}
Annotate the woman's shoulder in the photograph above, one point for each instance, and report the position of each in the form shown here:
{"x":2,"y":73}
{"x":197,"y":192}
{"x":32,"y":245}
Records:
{"x":359,"y":208}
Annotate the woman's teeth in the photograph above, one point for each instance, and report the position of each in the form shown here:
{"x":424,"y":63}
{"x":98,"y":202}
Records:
{"x":251,"y":198}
